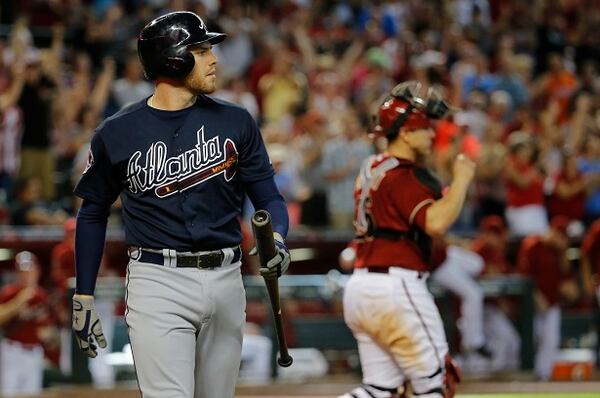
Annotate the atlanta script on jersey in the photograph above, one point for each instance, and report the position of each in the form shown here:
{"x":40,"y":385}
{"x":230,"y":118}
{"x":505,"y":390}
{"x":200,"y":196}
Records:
{"x":178,"y":174}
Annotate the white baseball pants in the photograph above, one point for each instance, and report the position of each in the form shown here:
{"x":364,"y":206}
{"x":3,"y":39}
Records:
{"x":546,"y":326}
{"x":21,"y":369}
{"x":503,"y":339}
{"x":457,"y":274}
{"x":398,"y":328}
{"x":527,"y":220}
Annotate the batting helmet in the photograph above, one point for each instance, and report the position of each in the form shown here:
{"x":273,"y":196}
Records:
{"x":163,"y":44}
{"x":408,"y":108}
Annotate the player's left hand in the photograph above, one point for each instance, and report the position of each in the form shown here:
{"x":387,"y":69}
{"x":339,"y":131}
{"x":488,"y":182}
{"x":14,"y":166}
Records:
{"x":86,"y":325}
{"x":279,"y":264}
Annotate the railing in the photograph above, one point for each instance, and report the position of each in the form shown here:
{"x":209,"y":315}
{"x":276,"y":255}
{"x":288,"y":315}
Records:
{"x":328,"y":286}
{"x":332,"y":332}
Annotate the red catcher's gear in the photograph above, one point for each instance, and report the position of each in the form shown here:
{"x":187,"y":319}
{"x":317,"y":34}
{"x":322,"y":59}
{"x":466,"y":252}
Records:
{"x":409,"y":108}
{"x":453,"y":377}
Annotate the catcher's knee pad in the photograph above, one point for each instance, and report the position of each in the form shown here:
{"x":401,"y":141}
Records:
{"x":370,"y":391}
{"x":441,"y":384}
{"x":431,"y":386}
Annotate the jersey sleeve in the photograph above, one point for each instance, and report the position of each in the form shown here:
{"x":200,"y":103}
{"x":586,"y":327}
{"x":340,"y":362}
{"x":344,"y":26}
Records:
{"x":254,"y":160}
{"x":413,"y":198}
{"x":99,"y":182}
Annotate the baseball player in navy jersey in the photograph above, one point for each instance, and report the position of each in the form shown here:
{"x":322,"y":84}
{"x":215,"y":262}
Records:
{"x":181,"y":163}
{"x":399,"y":207}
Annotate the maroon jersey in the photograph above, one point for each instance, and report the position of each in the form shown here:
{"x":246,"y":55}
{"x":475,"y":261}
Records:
{"x":532,"y":194}
{"x":25,"y":326}
{"x":590,"y":246}
{"x":572,"y":207}
{"x":493,"y":256}
{"x":63,"y":264}
{"x":439,"y":251}
{"x":392,"y":196}
{"x":542,"y":262}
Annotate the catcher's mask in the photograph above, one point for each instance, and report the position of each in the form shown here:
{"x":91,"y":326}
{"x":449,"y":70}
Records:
{"x":410,"y":106}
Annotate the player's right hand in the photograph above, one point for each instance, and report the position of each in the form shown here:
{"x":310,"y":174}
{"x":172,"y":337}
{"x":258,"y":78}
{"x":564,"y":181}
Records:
{"x":86,"y":325}
{"x":279,"y":264}
{"x":464,"y":168}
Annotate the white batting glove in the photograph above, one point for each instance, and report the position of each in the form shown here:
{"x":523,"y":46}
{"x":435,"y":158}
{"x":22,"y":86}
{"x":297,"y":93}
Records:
{"x":86,"y":325}
{"x":279,"y":264}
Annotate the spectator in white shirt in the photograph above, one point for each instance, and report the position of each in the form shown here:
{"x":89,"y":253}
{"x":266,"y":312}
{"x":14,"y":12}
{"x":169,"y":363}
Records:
{"x":131,"y":87}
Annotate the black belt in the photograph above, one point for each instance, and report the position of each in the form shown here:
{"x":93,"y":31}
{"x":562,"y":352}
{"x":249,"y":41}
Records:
{"x":380,"y":270}
{"x":209,"y":260}
{"x":386,"y":270}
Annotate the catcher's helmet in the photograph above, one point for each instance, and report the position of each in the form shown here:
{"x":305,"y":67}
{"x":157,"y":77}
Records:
{"x":406,"y":107}
{"x":163,"y":44}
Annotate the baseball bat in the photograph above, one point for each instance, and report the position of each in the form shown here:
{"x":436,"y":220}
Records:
{"x":265,"y":245}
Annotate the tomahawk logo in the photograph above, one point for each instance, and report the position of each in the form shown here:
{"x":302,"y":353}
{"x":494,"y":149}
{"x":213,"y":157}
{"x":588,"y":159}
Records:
{"x":175,"y":174}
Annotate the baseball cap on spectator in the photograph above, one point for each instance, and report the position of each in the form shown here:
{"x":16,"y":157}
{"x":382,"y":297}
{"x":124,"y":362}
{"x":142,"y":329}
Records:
{"x":493,"y":224}
{"x":25,"y":261}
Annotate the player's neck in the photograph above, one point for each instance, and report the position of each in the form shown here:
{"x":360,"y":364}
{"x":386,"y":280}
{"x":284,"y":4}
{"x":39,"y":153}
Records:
{"x":169,"y":98}
{"x":399,"y":149}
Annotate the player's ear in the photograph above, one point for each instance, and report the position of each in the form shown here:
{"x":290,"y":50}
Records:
{"x":403,"y":135}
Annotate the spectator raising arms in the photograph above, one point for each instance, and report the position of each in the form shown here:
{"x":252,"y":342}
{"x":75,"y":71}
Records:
{"x":525,"y":210}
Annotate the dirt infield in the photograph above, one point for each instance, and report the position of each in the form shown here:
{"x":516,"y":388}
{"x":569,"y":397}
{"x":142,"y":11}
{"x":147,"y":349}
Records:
{"x":330,"y":390}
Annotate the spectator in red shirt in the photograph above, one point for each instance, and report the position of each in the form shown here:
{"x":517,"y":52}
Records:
{"x":22,"y":353}
{"x":491,"y":244}
{"x":569,"y":195}
{"x":543,"y":258}
{"x":503,"y":339}
{"x":525,"y":211}
{"x":590,"y":260}
{"x":63,"y":257}
{"x":62,"y":267}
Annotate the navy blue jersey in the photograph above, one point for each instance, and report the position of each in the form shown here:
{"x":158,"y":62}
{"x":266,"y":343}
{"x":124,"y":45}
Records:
{"x":180,"y":175}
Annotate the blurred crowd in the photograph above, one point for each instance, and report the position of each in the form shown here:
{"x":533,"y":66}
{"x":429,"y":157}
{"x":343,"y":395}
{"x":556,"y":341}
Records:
{"x":522,"y":76}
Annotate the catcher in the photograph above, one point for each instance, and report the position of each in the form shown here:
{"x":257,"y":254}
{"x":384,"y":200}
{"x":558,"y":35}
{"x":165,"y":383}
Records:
{"x":399,"y":207}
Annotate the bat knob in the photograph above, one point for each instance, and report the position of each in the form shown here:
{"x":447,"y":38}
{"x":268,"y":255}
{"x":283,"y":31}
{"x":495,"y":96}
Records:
{"x":285,"y":362}
{"x":261,"y":217}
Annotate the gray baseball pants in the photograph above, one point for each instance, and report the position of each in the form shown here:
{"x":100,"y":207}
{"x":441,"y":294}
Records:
{"x":185,"y":327}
